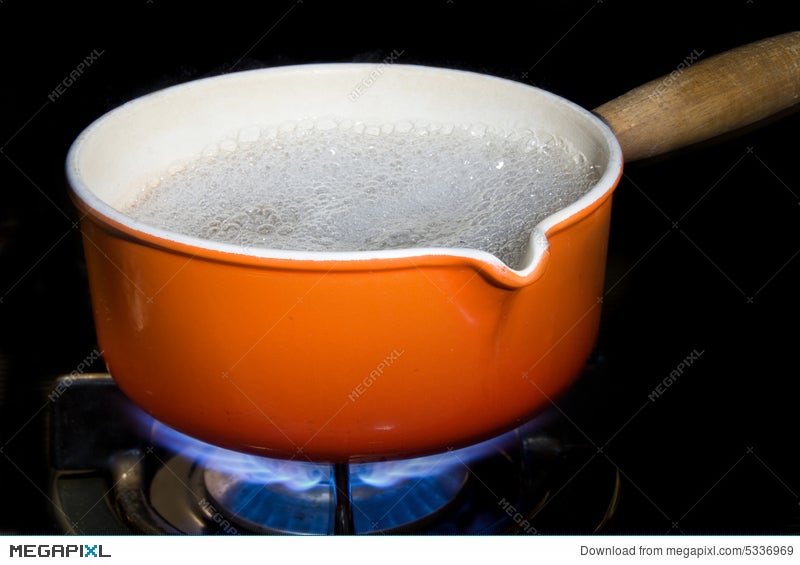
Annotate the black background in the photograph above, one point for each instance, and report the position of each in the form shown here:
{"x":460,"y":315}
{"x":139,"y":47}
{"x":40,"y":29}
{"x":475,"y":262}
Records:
{"x":703,"y":249}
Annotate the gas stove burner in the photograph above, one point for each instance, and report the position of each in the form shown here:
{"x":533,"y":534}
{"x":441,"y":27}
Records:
{"x":473,"y":498}
{"x":277,"y":509}
{"x":536,"y":479}
{"x":237,"y":505}
{"x":241,"y":492}
{"x":262,"y":495}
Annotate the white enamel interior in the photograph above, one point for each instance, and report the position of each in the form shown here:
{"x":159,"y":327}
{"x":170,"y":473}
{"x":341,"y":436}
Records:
{"x":117,"y":155}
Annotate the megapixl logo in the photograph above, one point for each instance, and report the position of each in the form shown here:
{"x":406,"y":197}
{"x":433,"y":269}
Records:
{"x":48,"y":550}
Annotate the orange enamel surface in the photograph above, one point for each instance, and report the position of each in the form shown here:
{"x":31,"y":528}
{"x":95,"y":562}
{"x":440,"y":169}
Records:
{"x":342,"y":361}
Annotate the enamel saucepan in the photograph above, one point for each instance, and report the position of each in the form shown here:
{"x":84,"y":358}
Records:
{"x":367,"y":355}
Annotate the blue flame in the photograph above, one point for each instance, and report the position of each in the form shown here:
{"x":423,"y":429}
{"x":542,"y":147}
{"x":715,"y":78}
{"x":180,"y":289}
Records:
{"x":300,"y":476}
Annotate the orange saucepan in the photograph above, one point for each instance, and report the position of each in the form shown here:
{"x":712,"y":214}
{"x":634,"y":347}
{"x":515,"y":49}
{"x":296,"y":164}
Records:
{"x":338,"y":356}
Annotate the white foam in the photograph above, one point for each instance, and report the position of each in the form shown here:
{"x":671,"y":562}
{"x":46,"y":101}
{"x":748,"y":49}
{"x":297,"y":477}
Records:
{"x":349,"y":186}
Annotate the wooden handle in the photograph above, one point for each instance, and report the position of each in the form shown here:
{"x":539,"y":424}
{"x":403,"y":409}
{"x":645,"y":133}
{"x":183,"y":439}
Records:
{"x":698,"y":101}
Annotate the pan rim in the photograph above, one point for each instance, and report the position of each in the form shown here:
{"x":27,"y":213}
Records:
{"x":92,"y":205}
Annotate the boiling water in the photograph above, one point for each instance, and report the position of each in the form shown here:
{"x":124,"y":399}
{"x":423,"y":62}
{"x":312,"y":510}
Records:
{"x":343,"y":186}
